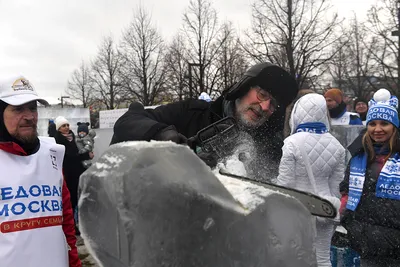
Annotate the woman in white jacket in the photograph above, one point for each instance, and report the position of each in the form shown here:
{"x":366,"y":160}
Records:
{"x":314,"y":161}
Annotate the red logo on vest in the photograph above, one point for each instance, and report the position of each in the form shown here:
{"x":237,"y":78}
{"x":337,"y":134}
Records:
{"x":29,"y":224}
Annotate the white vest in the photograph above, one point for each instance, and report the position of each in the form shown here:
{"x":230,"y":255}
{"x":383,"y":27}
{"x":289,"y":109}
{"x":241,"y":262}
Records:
{"x":31,"y":233}
{"x":343,"y":120}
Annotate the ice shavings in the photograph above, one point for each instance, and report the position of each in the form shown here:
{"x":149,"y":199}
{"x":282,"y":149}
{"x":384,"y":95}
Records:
{"x":107,"y":163}
{"x":243,"y":192}
{"x":102,"y":173}
{"x":234,"y":165}
{"x":115,"y":160}
{"x":99,"y":165}
{"x":145,"y":144}
{"x":248,"y":194}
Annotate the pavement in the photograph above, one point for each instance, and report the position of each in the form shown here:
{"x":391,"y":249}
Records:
{"x":86,"y":259}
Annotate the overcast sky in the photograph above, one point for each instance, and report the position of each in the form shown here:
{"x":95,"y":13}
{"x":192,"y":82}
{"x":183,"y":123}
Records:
{"x":45,"y":40}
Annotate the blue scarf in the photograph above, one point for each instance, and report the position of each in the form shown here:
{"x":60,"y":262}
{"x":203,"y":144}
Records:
{"x":312,"y":127}
{"x":387,"y":186}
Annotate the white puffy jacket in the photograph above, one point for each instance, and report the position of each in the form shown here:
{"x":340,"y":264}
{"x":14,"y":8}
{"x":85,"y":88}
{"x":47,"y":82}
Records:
{"x":325,"y":154}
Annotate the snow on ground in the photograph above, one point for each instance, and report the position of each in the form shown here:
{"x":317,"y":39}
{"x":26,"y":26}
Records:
{"x":86,"y":259}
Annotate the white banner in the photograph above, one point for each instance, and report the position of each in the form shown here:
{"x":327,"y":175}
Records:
{"x":109,"y":117}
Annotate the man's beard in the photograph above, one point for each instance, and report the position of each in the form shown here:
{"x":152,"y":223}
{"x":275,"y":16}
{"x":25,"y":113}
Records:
{"x":245,"y":122}
{"x":27,"y":139}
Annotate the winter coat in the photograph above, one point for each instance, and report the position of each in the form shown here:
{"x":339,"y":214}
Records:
{"x":325,"y":157}
{"x":325,"y":154}
{"x":68,"y":224}
{"x":86,"y":144}
{"x":190,"y":116}
{"x":374,"y":227}
{"x":51,"y":130}
{"x":72,"y":165}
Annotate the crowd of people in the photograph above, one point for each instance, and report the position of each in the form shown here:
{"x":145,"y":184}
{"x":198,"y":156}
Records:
{"x":365,"y":190}
{"x":309,"y":159}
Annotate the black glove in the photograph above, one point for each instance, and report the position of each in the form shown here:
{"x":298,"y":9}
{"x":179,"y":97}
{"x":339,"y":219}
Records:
{"x":170,"y":134}
{"x":211,"y":159}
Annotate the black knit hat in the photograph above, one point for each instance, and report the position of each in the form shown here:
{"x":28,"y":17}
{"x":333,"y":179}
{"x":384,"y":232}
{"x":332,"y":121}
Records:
{"x":359,"y":99}
{"x":269,"y":77}
{"x":83,"y":127}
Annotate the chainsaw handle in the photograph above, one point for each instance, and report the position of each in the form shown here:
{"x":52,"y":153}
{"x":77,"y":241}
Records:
{"x":192,"y":141}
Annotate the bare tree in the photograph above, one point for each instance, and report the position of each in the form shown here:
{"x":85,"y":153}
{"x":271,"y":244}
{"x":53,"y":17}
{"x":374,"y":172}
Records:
{"x":201,"y":30}
{"x":294,"y":34}
{"x":339,"y":63}
{"x":351,"y":66}
{"x":230,"y":61}
{"x":106,"y":74}
{"x":80,"y":85}
{"x":383,"y":19}
{"x":176,"y":81}
{"x":143,"y":48}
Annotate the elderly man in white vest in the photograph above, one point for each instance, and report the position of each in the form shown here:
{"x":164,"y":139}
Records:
{"x":337,"y":109}
{"x":36,"y":218}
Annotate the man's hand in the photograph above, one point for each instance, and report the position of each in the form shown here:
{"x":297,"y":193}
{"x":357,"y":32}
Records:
{"x":170,"y":134}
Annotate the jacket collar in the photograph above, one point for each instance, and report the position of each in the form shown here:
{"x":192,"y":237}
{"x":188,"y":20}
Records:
{"x":13,"y":148}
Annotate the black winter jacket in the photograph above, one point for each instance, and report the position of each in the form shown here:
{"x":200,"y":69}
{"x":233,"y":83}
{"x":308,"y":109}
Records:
{"x":374,"y":227}
{"x":190,"y":116}
{"x":72,"y":165}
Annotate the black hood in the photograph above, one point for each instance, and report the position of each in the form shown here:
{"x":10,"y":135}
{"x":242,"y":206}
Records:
{"x":6,"y":137}
{"x":271,"y":78}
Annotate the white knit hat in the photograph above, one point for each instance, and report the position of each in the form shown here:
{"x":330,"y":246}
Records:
{"x":59,"y":121}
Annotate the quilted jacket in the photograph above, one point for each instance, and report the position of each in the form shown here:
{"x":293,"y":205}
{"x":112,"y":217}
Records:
{"x":325,"y":154}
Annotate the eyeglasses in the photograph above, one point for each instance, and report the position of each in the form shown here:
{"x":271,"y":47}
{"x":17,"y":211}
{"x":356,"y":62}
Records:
{"x":65,"y":125}
{"x":361,"y":104}
{"x":263,"y":95}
